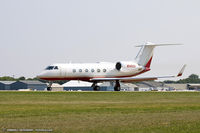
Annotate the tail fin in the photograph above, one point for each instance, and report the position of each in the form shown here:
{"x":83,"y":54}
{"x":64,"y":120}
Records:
{"x":145,"y":55}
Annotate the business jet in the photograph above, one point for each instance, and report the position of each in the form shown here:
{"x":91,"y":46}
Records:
{"x":123,"y":71}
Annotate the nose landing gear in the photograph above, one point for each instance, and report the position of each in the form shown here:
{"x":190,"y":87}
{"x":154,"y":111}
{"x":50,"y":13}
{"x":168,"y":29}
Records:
{"x":49,"y":88}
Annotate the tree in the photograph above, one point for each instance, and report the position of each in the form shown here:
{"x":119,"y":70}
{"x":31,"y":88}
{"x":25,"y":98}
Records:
{"x":7,"y":78}
{"x":169,"y":81}
{"x":193,"y":78}
{"x":22,"y":78}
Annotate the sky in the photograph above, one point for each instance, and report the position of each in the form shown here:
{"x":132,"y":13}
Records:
{"x":37,"y":33}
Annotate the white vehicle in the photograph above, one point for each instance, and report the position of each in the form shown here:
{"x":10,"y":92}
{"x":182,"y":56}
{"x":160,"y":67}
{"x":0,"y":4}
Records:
{"x":123,"y":71}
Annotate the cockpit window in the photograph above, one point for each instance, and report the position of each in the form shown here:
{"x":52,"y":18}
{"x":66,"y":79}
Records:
{"x":52,"y":67}
{"x":49,"y":68}
{"x":56,"y":67}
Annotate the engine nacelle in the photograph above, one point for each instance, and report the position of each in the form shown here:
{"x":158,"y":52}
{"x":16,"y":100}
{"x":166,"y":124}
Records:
{"x":118,"y":66}
{"x":125,"y":65}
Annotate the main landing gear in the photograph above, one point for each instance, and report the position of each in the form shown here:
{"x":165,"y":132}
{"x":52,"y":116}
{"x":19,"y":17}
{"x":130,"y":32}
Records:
{"x":95,"y":86}
{"x":117,"y":86}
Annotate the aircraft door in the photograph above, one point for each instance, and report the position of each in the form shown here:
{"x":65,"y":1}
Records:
{"x":62,"y":72}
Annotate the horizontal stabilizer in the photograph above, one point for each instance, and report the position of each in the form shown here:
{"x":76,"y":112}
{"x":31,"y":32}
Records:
{"x":155,"y":44}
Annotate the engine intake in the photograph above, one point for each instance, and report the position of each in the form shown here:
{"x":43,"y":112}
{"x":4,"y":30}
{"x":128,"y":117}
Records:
{"x":118,"y":66}
{"x":125,"y":66}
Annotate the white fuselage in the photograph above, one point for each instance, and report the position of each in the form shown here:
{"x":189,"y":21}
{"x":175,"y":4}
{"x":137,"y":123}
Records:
{"x":87,"y":71}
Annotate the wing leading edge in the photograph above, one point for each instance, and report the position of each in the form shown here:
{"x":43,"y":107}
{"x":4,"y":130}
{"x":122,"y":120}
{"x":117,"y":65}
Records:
{"x":137,"y":79}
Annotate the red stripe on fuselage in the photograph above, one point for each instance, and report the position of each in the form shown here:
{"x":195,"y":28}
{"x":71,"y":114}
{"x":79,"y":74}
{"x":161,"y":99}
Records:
{"x":88,"y":78}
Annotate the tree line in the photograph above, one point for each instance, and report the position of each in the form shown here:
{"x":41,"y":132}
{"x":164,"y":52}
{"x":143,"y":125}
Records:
{"x":193,"y":78}
{"x":8,"y":78}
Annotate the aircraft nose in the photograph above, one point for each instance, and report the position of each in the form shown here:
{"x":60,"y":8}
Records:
{"x":41,"y":75}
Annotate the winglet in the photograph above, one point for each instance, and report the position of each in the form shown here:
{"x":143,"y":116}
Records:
{"x":181,"y":72}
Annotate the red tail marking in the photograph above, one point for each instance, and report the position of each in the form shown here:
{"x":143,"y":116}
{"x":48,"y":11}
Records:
{"x":180,"y":74}
{"x":149,"y":63}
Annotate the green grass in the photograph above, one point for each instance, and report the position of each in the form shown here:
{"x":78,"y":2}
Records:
{"x":101,"y":112}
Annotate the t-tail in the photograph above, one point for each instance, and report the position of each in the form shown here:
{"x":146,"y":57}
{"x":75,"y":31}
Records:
{"x":145,"y":55}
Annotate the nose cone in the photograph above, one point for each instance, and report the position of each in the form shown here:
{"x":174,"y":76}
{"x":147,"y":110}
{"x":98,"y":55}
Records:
{"x":39,"y":76}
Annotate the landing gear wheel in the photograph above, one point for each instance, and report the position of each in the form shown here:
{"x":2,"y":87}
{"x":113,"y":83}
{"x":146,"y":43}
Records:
{"x":117,"y":86}
{"x":96,"y":88}
{"x":48,"y":88}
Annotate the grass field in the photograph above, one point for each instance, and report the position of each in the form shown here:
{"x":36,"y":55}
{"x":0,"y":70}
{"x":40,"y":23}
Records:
{"x":101,"y":112}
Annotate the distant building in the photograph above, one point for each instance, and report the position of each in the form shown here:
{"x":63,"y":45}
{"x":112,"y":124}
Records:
{"x":75,"y":85}
{"x":6,"y":85}
{"x":129,"y":87}
{"x":195,"y":87}
{"x":57,"y":87}
{"x":33,"y":84}
{"x":24,"y":84}
{"x":143,"y":87}
{"x":106,"y":86}
{"x":178,"y":86}
{"x":152,"y":86}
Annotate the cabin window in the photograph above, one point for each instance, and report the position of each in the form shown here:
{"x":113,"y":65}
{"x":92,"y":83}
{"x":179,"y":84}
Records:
{"x":80,"y":70}
{"x":86,"y":70}
{"x":92,"y":70}
{"x":98,"y":70}
{"x":104,"y":70}
{"x":74,"y":70}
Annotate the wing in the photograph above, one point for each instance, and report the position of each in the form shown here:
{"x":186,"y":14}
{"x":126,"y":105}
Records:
{"x":137,"y":79}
